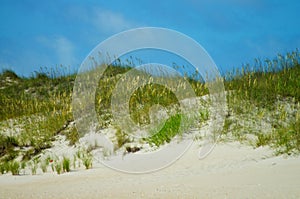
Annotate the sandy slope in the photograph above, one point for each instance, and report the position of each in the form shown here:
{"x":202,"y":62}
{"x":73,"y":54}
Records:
{"x":230,"y":171}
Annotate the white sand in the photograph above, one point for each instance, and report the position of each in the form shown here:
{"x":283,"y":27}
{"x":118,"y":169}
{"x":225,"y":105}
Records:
{"x":232,"y":170}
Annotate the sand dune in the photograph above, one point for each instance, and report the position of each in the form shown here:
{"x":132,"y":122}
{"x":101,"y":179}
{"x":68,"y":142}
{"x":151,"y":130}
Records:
{"x":232,"y":170}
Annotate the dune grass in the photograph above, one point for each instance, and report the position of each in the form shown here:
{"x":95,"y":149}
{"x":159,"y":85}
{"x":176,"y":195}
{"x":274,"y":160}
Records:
{"x":167,"y":132}
{"x":272,"y":94}
{"x":36,"y":109}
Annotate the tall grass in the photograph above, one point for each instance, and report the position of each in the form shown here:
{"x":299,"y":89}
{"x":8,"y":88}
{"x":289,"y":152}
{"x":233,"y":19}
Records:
{"x":268,"y":81}
{"x":37,"y":108}
{"x":261,"y":94}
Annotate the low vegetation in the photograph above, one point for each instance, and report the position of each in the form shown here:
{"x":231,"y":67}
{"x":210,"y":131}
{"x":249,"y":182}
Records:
{"x":263,"y":109}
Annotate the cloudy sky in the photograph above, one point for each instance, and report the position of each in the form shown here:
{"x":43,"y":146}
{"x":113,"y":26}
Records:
{"x":36,"y":34}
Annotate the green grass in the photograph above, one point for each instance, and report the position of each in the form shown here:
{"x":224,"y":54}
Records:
{"x":169,"y":129}
{"x":277,"y":78}
{"x":66,"y":164}
{"x":256,"y":95}
{"x":14,"y":167}
{"x":34,"y":110}
{"x":58,"y":167}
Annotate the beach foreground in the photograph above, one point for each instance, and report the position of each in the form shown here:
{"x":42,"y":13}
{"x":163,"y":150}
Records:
{"x":232,"y":170}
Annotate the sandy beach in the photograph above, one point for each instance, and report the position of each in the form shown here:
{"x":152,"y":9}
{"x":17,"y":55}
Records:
{"x":232,"y":170}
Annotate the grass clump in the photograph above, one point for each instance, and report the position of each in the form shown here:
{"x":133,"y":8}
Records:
{"x":34,"y":164}
{"x":122,"y":138}
{"x":7,"y":144}
{"x":4,"y":167}
{"x":87,"y":160}
{"x":170,"y":128}
{"x":66,"y":164}
{"x":14,"y":167}
{"x":58,"y":167}
{"x":287,"y":139}
{"x":85,"y":157}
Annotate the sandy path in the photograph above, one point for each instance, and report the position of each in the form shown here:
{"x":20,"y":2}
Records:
{"x":230,"y":171}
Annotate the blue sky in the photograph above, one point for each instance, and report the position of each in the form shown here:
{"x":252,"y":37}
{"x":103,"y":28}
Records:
{"x":36,"y":34}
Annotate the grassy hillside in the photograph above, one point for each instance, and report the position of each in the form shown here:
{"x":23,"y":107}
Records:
{"x":268,"y":103}
{"x":263,"y":109}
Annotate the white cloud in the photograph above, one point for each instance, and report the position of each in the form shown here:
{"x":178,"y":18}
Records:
{"x":63,"y":49}
{"x":104,"y":20}
{"x":110,"y":22}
